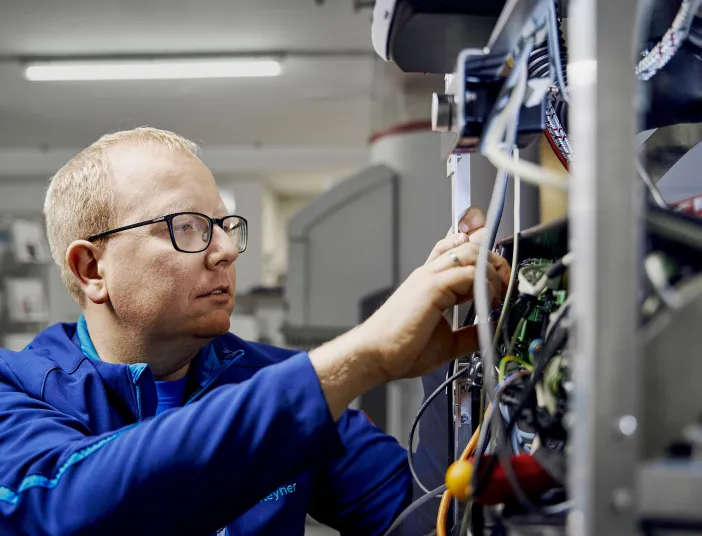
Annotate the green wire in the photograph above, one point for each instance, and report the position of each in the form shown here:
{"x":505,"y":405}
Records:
{"x":515,"y":337}
{"x":504,"y":361}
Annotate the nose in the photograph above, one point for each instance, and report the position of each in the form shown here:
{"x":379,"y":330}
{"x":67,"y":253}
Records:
{"x":222,"y":251}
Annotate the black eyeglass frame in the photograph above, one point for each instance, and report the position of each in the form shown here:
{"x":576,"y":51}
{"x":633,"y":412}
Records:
{"x":169,"y":220}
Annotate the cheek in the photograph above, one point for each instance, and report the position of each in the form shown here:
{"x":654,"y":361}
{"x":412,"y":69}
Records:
{"x":143,"y":287}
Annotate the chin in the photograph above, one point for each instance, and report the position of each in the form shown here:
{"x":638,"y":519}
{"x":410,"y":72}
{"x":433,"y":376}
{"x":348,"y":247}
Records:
{"x":213,"y":324}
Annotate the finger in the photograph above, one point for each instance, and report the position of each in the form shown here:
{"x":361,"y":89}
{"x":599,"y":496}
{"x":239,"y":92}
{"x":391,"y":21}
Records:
{"x":477,"y":236}
{"x":466,"y":254}
{"x":503,"y":268}
{"x":456,"y":285}
{"x":447,"y":244}
{"x":496,"y":284}
{"x":493,"y":296}
{"x":471,"y":221}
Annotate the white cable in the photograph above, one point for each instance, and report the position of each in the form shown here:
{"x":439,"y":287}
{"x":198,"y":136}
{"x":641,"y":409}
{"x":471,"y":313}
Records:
{"x":509,"y":116}
{"x":482,"y":293}
{"x":515,"y":253}
{"x":557,"y":509}
{"x":659,"y":56}
{"x":501,"y":159}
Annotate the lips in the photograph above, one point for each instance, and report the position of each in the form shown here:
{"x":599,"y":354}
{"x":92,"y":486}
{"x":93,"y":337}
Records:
{"x":222,"y":290}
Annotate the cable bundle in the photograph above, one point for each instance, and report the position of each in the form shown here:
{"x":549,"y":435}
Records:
{"x":659,"y":56}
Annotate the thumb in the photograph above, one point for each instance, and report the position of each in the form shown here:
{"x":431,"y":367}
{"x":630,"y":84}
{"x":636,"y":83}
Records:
{"x":477,"y":236}
{"x":472,"y":220}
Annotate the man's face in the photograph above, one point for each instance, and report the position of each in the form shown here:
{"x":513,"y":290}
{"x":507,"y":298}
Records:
{"x":151,"y":286}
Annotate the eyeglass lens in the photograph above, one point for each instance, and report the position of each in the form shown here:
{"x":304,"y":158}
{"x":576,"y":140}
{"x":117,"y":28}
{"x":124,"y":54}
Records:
{"x":192,"y":232}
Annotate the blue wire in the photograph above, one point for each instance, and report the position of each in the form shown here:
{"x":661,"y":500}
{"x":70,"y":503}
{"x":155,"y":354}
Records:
{"x":518,"y":436}
{"x":515,"y":436}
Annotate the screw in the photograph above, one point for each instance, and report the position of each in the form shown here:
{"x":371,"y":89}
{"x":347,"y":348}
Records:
{"x":471,"y":96}
{"x":464,"y":418}
{"x":627,"y":425}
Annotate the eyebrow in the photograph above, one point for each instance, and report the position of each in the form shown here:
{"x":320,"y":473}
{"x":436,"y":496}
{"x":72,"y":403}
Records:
{"x":176,"y":207}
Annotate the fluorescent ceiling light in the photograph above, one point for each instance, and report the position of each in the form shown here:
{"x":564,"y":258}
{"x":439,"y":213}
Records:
{"x":162,"y":69}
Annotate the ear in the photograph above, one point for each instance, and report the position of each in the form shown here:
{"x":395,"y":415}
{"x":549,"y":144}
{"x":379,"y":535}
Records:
{"x":85,"y":261}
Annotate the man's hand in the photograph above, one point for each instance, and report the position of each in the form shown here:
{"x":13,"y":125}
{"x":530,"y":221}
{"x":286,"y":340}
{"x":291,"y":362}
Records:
{"x":409,"y":336}
{"x":409,"y":331}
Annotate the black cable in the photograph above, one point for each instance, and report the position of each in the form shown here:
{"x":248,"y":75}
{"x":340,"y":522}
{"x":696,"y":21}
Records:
{"x":557,"y":52}
{"x":557,"y":339}
{"x":413,"y":428}
{"x":504,"y":454}
{"x":506,"y":337}
{"x":526,"y":400}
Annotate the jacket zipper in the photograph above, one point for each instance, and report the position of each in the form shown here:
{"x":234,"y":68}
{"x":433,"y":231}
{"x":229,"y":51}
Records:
{"x":236,"y":355}
{"x":137,"y":388}
{"x":138,"y":401}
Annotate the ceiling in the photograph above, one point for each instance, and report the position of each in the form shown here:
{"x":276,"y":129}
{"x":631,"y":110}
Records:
{"x":75,"y":27}
{"x":323,"y":98}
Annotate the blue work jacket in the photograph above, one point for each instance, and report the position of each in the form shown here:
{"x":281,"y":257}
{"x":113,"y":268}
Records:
{"x":253,"y":450}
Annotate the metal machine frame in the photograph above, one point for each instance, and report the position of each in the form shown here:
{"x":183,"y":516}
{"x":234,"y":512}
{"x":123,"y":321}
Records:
{"x":614,"y":485}
{"x":606,"y":215}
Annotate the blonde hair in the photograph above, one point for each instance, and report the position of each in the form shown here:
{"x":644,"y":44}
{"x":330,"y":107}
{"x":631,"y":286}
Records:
{"x":80,"y":202}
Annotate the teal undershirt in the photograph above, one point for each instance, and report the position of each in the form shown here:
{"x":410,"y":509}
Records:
{"x":170,"y":393}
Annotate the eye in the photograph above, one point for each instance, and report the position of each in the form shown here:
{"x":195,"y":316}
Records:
{"x":184,"y":227}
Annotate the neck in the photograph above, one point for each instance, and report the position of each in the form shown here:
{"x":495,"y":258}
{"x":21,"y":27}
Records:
{"x":122,"y":343}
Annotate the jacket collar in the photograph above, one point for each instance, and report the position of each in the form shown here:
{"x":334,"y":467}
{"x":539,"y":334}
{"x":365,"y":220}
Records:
{"x":205,"y":365}
{"x":227,"y":359}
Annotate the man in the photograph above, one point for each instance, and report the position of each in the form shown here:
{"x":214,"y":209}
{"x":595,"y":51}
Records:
{"x":148,"y":417}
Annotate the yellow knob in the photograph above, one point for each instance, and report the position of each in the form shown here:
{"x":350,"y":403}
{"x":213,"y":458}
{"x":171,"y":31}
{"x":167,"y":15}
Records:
{"x":458,"y":479}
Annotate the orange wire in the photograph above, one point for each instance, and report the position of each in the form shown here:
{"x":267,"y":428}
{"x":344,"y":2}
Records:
{"x":446,"y":497}
{"x":443,"y":513}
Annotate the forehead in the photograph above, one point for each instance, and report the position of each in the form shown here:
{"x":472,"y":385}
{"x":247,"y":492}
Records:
{"x":151,"y":181}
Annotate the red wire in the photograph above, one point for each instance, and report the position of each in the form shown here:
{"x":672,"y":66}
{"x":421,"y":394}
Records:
{"x":556,"y":150}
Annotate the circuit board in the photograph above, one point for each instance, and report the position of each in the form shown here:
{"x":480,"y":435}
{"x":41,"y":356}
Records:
{"x":538,"y":431}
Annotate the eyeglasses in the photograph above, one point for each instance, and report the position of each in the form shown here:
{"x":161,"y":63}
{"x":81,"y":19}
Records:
{"x":191,"y":232}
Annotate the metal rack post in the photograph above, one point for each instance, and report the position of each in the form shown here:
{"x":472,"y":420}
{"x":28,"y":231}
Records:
{"x":605,"y":211}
